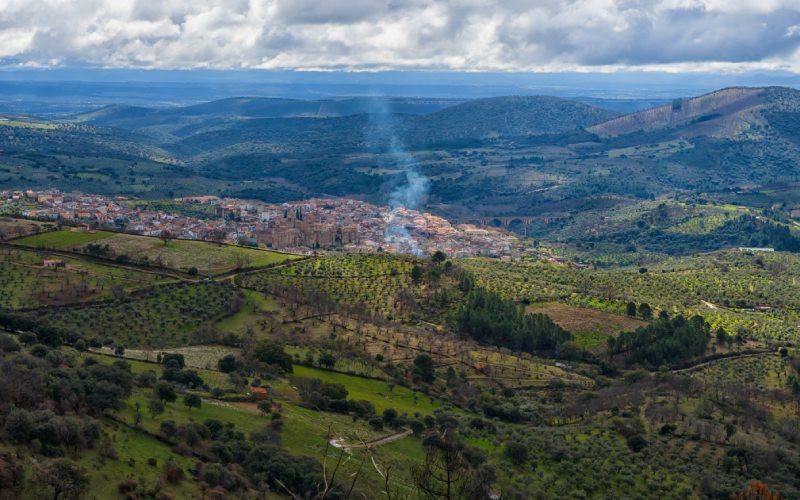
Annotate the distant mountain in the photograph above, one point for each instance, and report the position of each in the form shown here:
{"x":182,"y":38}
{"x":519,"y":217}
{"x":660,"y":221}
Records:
{"x":418,"y":121}
{"x":510,"y":116}
{"x":181,"y":122}
{"x":728,"y":113}
{"x":532,"y":156}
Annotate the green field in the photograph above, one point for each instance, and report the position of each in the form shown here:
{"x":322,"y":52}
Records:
{"x":206,"y":257}
{"x":64,"y":239}
{"x":133,"y":449}
{"x":403,"y":399}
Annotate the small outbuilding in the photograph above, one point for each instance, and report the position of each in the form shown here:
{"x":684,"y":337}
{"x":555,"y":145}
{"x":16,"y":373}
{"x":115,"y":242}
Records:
{"x":53,"y":263}
{"x":258,"y":393}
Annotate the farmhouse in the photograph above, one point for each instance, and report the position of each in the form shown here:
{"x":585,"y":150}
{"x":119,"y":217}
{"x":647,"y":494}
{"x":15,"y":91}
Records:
{"x":258,"y":393}
{"x":53,"y":263}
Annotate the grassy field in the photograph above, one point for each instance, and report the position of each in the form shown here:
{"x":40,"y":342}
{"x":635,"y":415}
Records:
{"x":25,"y":283}
{"x":64,"y":239}
{"x":206,"y":257}
{"x":403,"y":399}
{"x":590,"y":327}
{"x":133,"y":450}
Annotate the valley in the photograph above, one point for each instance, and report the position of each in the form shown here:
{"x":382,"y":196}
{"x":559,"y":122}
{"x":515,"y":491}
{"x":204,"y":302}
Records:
{"x":279,"y":298}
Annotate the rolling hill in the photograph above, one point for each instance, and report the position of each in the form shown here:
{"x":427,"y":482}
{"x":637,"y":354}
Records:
{"x":728,"y":113}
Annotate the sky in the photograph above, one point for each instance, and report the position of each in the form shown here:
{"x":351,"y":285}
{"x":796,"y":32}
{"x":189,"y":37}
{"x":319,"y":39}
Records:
{"x":372,"y":35}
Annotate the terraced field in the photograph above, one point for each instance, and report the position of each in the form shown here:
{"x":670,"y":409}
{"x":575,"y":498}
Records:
{"x":732,"y":290}
{"x":25,"y":283}
{"x":370,"y":279}
{"x":760,"y":372}
{"x":174,"y":315}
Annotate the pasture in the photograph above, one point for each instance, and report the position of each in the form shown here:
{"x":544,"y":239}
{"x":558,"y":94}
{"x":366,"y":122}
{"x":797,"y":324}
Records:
{"x":380,"y":393}
{"x":182,"y":255}
{"x":63,"y":239}
{"x":206,"y":257}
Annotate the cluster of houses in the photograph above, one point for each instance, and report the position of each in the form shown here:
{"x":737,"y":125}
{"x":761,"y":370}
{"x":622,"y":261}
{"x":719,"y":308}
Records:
{"x":301,"y":226}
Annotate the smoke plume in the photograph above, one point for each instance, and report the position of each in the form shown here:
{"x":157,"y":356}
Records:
{"x":411,"y":194}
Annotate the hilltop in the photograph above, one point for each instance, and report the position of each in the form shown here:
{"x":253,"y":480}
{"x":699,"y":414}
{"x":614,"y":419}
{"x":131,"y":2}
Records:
{"x":727,"y":113}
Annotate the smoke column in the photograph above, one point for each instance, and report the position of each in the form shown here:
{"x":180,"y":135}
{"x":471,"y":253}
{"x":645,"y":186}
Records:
{"x":411,"y":194}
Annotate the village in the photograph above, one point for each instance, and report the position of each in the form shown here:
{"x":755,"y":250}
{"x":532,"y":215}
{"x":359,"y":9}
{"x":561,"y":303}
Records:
{"x":300,"y":227}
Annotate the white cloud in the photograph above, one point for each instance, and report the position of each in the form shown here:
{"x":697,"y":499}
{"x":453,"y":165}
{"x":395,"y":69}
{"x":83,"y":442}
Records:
{"x":539,"y":35}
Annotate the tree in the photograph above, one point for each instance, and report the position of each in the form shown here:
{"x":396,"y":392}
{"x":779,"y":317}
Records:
{"x":389,"y":416}
{"x":165,"y":236}
{"x":438,"y":257}
{"x":416,"y":274}
{"x":516,"y":452}
{"x":66,"y":479}
{"x":265,"y":406}
{"x":228,"y":364}
{"x":272,"y":353}
{"x":156,"y":407}
{"x":447,"y":474}
{"x":80,"y":345}
{"x":630,"y":309}
{"x":721,"y":336}
{"x":756,"y":490}
{"x":326,"y":360}
{"x":164,"y":391}
{"x":192,"y":401}
{"x":423,"y":368}
{"x":645,"y":311}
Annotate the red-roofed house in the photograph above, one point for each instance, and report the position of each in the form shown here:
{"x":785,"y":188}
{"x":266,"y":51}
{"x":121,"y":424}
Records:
{"x":258,"y":393}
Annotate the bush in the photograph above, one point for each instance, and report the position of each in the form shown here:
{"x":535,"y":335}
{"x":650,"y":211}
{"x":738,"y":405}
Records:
{"x":39,"y":350}
{"x":376,"y":423}
{"x":637,"y":443}
{"x":127,"y":486}
{"x":516,"y":452}
{"x":173,"y":472}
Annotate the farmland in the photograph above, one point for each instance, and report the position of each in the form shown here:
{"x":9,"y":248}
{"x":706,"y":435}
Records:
{"x":173,"y":315}
{"x":25,"y":283}
{"x":754,"y":292}
{"x":369,"y":279}
{"x":17,"y":228}
{"x":182,"y":255}
{"x":64,"y":239}
{"x":358,"y":348}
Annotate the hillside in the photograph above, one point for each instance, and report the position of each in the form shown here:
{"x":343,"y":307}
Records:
{"x":273,"y":380}
{"x":497,"y":157}
{"x":167,"y":124}
{"x":727,"y":113}
{"x":506,"y":117}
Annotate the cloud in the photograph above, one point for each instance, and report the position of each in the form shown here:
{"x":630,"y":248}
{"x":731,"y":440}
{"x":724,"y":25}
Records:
{"x":518,"y":35}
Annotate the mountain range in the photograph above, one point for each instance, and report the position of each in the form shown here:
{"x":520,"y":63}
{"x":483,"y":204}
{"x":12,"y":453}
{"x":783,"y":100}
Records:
{"x":536,"y":156}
